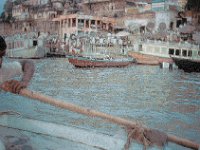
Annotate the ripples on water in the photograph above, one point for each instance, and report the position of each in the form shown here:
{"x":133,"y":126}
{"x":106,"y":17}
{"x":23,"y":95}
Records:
{"x":162,"y":99}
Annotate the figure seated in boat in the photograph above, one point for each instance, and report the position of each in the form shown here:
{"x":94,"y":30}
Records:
{"x":108,"y":57}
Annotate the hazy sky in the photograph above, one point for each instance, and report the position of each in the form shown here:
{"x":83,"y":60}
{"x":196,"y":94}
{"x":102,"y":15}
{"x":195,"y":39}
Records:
{"x":1,"y":5}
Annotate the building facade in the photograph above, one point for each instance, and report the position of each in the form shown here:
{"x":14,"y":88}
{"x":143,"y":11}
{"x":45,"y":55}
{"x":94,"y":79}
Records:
{"x":83,"y":24}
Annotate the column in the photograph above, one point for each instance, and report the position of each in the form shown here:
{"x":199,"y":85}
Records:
{"x":71,"y":22}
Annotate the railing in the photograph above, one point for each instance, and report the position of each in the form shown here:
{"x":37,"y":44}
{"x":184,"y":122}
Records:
{"x":175,"y":44}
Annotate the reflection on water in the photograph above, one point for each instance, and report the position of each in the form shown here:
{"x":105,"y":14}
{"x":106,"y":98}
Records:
{"x":162,"y":99}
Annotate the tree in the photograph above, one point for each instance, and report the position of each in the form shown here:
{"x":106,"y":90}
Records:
{"x":8,"y":6}
{"x":193,"y":5}
{"x":3,"y":16}
{"x":17,"y":2}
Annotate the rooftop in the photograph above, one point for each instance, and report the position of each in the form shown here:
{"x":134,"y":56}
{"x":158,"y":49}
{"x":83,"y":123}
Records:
{"x":94,"y":1}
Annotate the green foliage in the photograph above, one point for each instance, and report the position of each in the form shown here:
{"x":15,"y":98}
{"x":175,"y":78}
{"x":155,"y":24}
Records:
{"x":8,"y":6}
{"x":3,"y":15}
{"x":17,"y":2}
{"x":8,"y":19}
{"x":193,"y":5}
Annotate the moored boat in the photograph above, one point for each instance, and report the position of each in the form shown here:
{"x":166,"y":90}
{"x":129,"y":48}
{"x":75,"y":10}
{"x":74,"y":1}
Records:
{"x":188,"y":59}
{"x":85,"y":61}
{"x":55,"y":54}
{"x":156,"y":52}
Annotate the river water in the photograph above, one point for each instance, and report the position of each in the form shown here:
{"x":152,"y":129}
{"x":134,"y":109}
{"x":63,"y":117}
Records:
{"x":158,"y":98}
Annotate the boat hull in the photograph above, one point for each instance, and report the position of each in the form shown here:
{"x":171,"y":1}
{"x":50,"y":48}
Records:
{"x":187,"y":65}
{"x":149,"y":59}
{"x":59,"y":55}
{"x":87,"y":63}
{"x":87,"y":138}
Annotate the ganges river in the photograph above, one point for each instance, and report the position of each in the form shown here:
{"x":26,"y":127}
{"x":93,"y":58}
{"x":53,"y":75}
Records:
{"x":157,"y":98}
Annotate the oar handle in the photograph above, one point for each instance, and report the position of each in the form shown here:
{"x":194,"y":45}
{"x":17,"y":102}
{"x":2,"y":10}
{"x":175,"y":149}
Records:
{"x":75,"y":108}
{"x":183,"y":142}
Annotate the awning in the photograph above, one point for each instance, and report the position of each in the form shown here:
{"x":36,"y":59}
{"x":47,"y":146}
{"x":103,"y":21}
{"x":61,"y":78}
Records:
{"x":119,"y":27}
{"x":94,"y":1}
{"x":122,"y":33}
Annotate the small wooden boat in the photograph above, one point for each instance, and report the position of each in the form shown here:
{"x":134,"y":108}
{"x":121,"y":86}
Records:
{"x":85,"y":61}
{"x":144,"y":59}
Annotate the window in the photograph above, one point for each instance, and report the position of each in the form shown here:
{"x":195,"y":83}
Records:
{"x":199,"y":53}
{"x":35,"y":43}
{"x":9,"y":46}
{"x":198,"y":19}
{"x":184,"y":20}
{"x":150,"y":49}
{"x":177,"y":52}
{"x":189,"y":53}
{"x":157,"y":50}
{"x":178,"y":23}
{"x":163,"y":50}
{"x":140,"y":47}
{"x":69,"y":23}
{"x":171,"y":25}
{"x":93,"y":22}
{"x":184,"y":53}
{"x":142,"y":29}
{"x":74,"y":22}
{"x":87,"y":23}
{"x":93,"y":26}
{"x":171,"y":51}
{"x":81,"y":21}
{"x":62,"y":24}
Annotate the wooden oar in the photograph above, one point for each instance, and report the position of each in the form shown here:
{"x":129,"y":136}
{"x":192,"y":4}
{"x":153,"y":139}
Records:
{"x":94,"y":113}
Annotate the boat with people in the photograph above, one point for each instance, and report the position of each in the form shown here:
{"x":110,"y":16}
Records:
{"x":155,"y":52}
{"x":100,"y":60}
{"x":25,"y":46}
{"x":187,"y":59}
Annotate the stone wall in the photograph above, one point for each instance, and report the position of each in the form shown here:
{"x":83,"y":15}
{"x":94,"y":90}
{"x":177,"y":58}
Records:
{"x":5,"y":28}
{"x":112,"y":8}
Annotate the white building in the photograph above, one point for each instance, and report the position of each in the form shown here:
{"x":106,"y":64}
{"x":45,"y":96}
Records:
{"x":167,"y":17}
